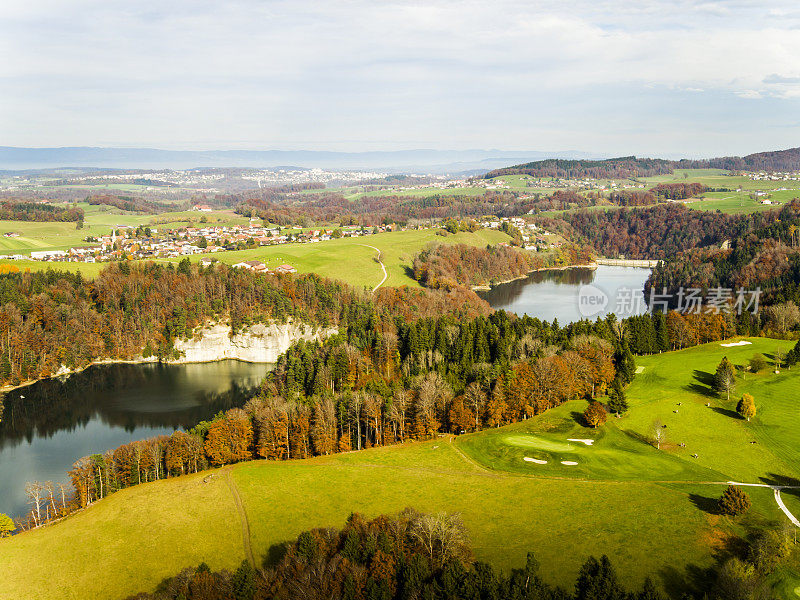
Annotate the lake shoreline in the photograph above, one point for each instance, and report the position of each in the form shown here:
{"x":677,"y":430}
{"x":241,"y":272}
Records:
{"x":486,"y":287}
{"x":257,"y":344}
{"x":121,"y":361}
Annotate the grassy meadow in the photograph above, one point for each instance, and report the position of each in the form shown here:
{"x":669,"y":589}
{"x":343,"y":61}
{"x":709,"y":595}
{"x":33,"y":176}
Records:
{"x":352,"y":259}
{"x":650,"y":510}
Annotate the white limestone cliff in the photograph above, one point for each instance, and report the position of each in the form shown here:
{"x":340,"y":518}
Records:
{"x":259,"y":343}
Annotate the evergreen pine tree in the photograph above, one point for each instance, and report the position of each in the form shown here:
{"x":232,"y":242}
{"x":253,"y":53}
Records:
{"x":662,"y":335}
{"x":243,"y":581}
{"x":617,"y":402}
{"x":725,"y":378}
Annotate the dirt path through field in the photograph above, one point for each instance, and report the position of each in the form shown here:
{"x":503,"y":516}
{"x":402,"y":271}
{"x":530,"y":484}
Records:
{"x":237,"y":500}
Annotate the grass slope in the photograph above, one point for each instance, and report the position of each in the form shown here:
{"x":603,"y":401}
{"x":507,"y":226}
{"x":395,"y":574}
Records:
{"x":351,"y":259}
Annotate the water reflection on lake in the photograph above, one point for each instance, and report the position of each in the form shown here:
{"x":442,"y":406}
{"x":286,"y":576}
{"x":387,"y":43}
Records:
{"x":552,"y":295}
{"x":47,"y":426}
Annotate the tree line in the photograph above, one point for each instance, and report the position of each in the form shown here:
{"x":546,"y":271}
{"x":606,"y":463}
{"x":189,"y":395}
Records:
{"x":765,"y":255}
{"x":15,"y":210}
{"x":625,"y":167}
{"x":133,"y":203}
{"x":449,"y":265}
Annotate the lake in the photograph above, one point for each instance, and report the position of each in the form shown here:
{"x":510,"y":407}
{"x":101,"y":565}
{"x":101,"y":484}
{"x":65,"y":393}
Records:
{"x":49,"y":425}
{"x":572,"y":294}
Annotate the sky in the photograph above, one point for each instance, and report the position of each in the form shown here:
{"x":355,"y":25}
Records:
{"x":651,"y":78}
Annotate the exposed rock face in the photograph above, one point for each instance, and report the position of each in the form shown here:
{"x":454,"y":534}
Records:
{"x":258,"y":344}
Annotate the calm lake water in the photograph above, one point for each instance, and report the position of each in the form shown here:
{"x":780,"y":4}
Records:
{"x":572,"y":294}
{"x":49,"y":425}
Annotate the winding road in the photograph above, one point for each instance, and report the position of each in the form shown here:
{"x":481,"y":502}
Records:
{"x":385,"y":274}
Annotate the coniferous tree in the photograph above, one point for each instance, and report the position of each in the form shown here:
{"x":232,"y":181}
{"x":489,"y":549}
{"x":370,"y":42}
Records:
{"x":617,"y":402}
{"x":725,"y":378}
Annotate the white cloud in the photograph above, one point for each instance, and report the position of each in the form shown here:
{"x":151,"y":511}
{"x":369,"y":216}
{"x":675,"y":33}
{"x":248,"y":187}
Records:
{"x":276,"y":73}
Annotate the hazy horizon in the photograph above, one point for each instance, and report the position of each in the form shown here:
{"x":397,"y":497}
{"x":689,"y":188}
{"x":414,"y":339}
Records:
{"x":649,"y":78}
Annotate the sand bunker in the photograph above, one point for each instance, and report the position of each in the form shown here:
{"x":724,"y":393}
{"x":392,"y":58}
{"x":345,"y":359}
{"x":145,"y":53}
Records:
{"x":587,"y":441}
{"x":740,"y":343}
{"x":569,"y":463}
{"x":639,"y":370}
{"x":535,"y":460}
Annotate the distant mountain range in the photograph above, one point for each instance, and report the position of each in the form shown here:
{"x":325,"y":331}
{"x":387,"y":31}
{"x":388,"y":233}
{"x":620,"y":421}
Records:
{"x":631,"y":166}
{"x":401,"y":161}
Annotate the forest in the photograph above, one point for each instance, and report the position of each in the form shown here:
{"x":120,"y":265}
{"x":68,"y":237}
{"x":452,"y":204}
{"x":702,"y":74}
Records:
{"x":286,"y":209}
{"x":629,"y":167}
{"x":447,"y":266}
{"x":428,"y":556}
{"x":14,"y":210}
{"x":763,"y":255}
{"x":678,"y":191}
{"x":664,"y":230}
{"x":132,"y":203}
{"x":54,"y":319}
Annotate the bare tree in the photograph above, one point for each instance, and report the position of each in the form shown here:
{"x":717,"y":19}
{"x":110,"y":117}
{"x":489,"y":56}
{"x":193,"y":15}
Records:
{"x":475,"y":399}
{"x":658,"y":433}
{"x":35,"y":493}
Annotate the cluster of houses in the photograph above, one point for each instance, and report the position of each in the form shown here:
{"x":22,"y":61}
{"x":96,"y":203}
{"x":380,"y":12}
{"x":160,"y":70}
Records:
{"x":533,"y":237}
{"x":256,"y":266}
{"x":123,"y":242}
{"x":764,"y":176}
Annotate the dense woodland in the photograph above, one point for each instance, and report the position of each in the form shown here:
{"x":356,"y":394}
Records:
{"x":426,"y":556}
{"x":664,"y":230}
{"x":52,"y":319}
{"x":779,"y":160}
{"x":15,"y":210}
{"x":285,"y":209}
{"x":447,"y":266}
{"x":765,"y":254}
{"x":678,"y":191}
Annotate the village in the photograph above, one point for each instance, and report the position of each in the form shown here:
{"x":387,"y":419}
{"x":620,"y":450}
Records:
{"x":139,"y":243}
{"x":148,"y":243}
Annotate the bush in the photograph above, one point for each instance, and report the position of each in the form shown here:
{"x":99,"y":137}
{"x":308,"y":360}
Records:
{"x":758,"y":363}
{"x":595,"y":415}
{"x":733,"y":501}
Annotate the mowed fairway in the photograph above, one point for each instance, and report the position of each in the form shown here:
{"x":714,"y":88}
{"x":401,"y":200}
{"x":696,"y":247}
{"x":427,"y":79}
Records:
{"x":648,"y":509}
{"x":672,"y":390}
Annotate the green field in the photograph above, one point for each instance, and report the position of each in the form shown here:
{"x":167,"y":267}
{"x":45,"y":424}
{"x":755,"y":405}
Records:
{"x":351,"y":259}
{"x":648,"y":509}
{"x":99,"y":220}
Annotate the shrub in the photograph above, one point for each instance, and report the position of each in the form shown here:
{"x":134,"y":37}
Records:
{"x":733,"y":501}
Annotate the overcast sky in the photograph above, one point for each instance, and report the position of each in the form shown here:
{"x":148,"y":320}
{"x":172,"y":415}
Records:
{"x":644,"y":77}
